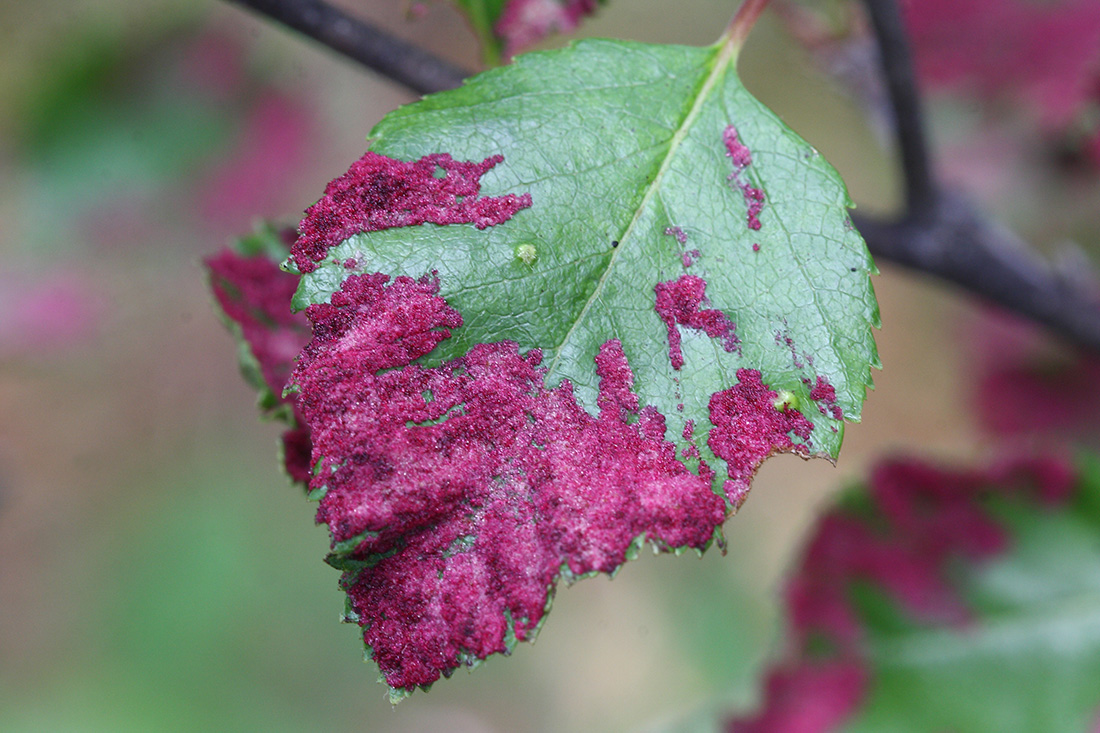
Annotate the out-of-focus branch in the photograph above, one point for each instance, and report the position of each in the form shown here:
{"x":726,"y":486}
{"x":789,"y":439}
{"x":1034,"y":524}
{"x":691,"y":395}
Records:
{"x":374,"y":48}
{"x":940,"y":233}
{"x":954,"y":241}
{"x":899,"y":75}
{"x":943,"y":234}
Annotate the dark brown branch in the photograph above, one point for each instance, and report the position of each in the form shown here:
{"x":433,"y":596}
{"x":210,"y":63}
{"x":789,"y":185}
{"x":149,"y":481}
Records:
{"x":389,"y":56}
{"x":945,"y":235}
{"x":954,"y":241}
{"x":901,"y":85}
{"x":939,"y":234}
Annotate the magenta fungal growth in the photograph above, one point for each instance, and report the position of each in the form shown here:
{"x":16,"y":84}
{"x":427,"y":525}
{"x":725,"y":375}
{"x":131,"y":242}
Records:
{"x":824,"y":395}
{"x":255,"y":294}
{"x":380,"y":193}
{"x":677,"y":232}
{"x":459,"y":492}
{"x":748,"y":428}
{"x":741,"y":157}
{"x":678,"y":303}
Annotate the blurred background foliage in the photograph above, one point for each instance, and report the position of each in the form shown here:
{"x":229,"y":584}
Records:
{"x":157,"y":572}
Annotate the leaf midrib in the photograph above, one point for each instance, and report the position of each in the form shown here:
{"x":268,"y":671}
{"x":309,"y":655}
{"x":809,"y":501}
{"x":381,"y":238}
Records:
{"x":1022,"y":629}
{"x":726,"y":54}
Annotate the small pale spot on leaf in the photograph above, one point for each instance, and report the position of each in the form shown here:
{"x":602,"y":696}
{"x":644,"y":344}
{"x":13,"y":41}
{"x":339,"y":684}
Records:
{"x":527,"y":253}
{"x":785,"y":399}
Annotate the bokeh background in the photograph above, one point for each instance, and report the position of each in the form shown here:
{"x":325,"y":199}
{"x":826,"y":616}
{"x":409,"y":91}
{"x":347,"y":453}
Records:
{"x":157,"y":572}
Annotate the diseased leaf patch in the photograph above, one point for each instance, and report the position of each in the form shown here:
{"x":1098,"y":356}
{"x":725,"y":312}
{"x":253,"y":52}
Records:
{"x":457,"y":495}
{"x":918,"y":589}
{"x":741,"y":157}
{"x":751,"y":423}
{"x":254,"y":297}
{"x":678,"y":304}
{"x":381,"y":193}
{"x":824,"y":394}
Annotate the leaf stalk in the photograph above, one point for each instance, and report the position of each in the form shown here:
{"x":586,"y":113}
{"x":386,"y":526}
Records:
{"x":743,"y":21}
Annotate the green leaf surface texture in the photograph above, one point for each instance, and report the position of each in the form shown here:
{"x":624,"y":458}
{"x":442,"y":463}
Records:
{"x":621,"y":147}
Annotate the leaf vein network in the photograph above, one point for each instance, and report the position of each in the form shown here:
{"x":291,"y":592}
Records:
{"x":725,"y":55}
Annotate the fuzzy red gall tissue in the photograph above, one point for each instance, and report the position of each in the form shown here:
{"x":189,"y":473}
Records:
{"x":748,"y":427}
{"x":380,"y":193}
{"x":824,"y":395}
{"x":457,"y":495}
{"x":679,"y":303}
{"x":254,"y":293}
{"x":741,"y":157}
{"x":678,"y":233}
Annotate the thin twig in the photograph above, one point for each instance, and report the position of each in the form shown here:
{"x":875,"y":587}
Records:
{"x":743,"y":21}
{"x":391,"y":57}
{"x":901,"y":84}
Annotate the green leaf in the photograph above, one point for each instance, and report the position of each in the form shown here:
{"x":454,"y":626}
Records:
{"x":1028,"y":661}
{"x":621,"y":147}
{"x":948,"y":600}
